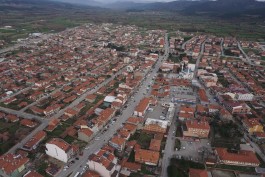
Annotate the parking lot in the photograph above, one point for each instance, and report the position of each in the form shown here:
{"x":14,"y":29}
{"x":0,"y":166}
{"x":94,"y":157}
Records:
{"x":193,"y":150}
{"x":156,"y":111}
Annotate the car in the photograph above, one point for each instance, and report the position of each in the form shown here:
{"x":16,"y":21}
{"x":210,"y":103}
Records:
{"x":183,"y":147}
{"x":76,"y":158}
{"x":97,"y":138}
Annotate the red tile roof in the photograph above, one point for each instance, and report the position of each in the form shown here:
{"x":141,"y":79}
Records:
{"x":11,"y":162}
{"x":241,"y":156}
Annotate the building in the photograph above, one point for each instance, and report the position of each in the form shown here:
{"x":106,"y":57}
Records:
{"x":197,"y":173}
{"x":32,"y":174}
{"x":34,"y":141}
{"x":142,"y":107}
{"x":12,"y":165}
{"x":103,"y":162}
{"x":237,"y":108}
{"x":59,"y":149}
{"x":147,"y":157}
{"x":155,"y":145}
{"x":85,"y":134}
{"x":241,"y":158}
{"x":253,"y":125}
{"x":117,"y":143}
{"x":194,"y":128}
{"x":155,"y":126}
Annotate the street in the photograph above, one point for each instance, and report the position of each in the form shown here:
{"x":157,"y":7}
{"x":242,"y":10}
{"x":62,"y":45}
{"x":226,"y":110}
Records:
{"x":126,"y":113}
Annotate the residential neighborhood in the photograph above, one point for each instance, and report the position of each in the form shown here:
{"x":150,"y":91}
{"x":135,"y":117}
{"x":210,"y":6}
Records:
{"x":114,"y":100}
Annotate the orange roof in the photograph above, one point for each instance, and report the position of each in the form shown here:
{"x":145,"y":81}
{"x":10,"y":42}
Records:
{"x":146,"y":156}
{"x":134,"y":120}
{"x":142,"y":106}
{"x":155,"y":145}
{"x":28,"y":123}
{"x":90,"y":173}
{"x":105,"y":115}
{"x":186,"y":115}
{"x":197,"y":173}
{"x":124,"y":133}
{"x":252,"y":122}
{"x":132,"y":166}
{"x":154,"y":128}
{"x":91,"y":97}
{"x":35,"y":140}
{"x":187,"y":109}
{"x":86,"y":131}
{"x":202,"y":95}
{"x":11,"y":162}
{"x":117,"y":140}
{"x":203,"y":125}
{"x":130,"y":127}
{"x":61,"y":144}
{"x":32,"y":174}
{"x":241,"y":156}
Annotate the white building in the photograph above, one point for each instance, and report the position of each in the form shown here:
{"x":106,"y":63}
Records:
{"x":104,"y":162}
{"x":59,"y":149}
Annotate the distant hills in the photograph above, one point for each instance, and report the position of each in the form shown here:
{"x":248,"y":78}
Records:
{"x":221,"y":8}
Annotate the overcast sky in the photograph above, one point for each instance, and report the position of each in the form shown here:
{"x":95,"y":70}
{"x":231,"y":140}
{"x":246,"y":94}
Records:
{"x":110,"y":1}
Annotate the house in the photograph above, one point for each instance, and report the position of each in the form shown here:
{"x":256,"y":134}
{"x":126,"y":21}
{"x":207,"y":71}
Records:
{"x":203,"y":97}
{"x":34,"y":141}
{"x":28,"y":123}
{"x":90,"y":173}
{"x":12,"y":165}
{"x":155,"y":145}
{"x":253,"y":125}
{"x":147,"y":157}
{"x":91,"y":98}
{"x":104,"y":117}
{"x":225,"y":115}
{"x":185,"y":116}
{"x":52,"y":109}
{"x":240,"y":158}
{"x":85,"y":134}
{"x":52,"y":125}
{"x":59,"y":149}
{"x":142,"y":107}
{"x":194,"y":128}
{"x":117,"y":143}
{"x":155,"y":126}
{"x":11,"y":118}
{"x":197,"y":173}
{"x":32,"y":174}
{"x":103,"y":162}
{"x":70,"y":112}
{"x":237,"y":108}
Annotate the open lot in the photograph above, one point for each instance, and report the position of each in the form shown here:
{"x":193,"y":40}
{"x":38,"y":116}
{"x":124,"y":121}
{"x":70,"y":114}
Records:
{"x":194,"y":150}
{"x":13,"y":132}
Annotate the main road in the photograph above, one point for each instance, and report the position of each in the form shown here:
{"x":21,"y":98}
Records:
{"x":125,"y":114}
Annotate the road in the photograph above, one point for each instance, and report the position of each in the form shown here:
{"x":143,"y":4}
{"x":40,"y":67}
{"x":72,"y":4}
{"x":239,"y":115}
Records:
{"x":170,"y":143}
{"x":199,"y":59}
{"x":125,"y":114}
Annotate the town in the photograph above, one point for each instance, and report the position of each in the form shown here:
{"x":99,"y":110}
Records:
{"x":113,"y":100}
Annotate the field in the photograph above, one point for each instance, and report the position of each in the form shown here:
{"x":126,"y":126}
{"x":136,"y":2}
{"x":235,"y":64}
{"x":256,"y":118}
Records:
{"x":15,"y":133}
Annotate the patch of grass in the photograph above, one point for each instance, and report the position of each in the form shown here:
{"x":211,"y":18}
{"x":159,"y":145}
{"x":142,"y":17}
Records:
{"x":180,"y":167}
{"x":69,"y":139}
{"x":237,"y":168}
{"x":132,"y":156}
